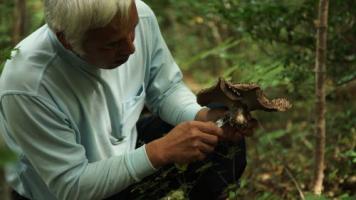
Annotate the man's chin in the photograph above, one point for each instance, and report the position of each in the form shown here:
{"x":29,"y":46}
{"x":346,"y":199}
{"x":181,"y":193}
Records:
{"x":116,"y":64}
{"x":111,"y":66}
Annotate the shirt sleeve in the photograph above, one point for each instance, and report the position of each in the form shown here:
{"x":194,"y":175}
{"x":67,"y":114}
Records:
{"x":167,"y":95}
{"x":49,"y":143}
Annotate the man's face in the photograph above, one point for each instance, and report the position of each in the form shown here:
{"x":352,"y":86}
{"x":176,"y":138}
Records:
{"x":110,"y":46}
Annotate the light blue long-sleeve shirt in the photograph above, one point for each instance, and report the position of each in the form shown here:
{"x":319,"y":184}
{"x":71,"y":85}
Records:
{"x":74,"y":125}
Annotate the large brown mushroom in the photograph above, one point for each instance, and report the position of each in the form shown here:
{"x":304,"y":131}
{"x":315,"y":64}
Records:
{"x":240,"y":100}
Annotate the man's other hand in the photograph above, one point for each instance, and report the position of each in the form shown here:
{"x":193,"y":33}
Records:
{"x":230,"y":134}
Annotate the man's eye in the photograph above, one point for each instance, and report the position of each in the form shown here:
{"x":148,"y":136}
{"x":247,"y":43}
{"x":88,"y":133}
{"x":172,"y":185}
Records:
{"x":111,"y":45}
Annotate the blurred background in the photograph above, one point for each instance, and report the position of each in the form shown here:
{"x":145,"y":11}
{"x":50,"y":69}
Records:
{"x":268,"y":42}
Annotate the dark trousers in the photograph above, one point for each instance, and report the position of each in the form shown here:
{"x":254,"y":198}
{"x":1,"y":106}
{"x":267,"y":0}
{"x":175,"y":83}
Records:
{"x":201,"y":180}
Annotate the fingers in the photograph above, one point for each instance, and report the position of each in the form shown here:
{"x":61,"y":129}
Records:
{"x":207,"y":127}
{"x":206,"y":132}
{"x":208,"y":139}
{"x":203,"y":147}
{"x":197,"y":155}
{"x":201,"y":151}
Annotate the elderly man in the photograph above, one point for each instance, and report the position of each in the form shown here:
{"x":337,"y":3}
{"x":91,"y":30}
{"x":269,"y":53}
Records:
{"x":72,"y":94}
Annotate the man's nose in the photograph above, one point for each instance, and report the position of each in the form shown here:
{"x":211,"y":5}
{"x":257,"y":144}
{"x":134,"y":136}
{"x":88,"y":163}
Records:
{"x":130,"y":44}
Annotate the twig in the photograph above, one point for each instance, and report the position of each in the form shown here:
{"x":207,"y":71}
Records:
{"x":301,"y":194}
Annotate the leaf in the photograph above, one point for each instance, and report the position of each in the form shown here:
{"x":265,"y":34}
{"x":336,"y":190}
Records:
{"x":347,"y":78}
{"x":182,"y":167}
{"x":6,"y":156}
{"x":352,"y":155}
{"x":204,"y":167}
{"x":227,"y":73}
{"x":214,"y":51}
{"x":346,"y":197}
{"x":6,"y":54}
{"x":269,"y":137}
{"x":310,"y":196}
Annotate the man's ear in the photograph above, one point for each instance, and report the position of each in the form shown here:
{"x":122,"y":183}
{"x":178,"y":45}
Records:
{"x":62,"y":39}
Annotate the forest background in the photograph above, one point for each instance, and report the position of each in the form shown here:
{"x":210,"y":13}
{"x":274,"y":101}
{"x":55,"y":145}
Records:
{"x":269,"y":42}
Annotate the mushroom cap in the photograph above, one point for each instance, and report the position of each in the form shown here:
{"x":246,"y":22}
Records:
{"x":249,"y":96}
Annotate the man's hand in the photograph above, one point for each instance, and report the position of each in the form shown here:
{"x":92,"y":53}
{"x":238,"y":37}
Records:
{"x":188,"y":142}
{"x":207,"y":114}
{"x":230,"y":134}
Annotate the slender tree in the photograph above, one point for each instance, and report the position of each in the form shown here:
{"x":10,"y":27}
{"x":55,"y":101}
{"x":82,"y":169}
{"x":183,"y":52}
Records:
{"x":20,"y":20}
{"x":4,"y":190}
{"x":320,"y":73}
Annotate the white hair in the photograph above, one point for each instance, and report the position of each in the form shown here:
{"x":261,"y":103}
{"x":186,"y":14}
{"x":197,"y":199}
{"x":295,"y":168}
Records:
{"x":75,"y":17}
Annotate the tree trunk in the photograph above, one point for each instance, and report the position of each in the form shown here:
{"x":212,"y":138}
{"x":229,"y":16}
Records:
{"x":320,"y":72}
{"x":19,"y":21}
{"x":222,"y":64}
{"x":4,"y":189}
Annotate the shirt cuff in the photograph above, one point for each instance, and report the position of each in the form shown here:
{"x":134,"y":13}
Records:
{"x":190,"y":112}
{"x":179,"y":106}
{"x":138,"y":163}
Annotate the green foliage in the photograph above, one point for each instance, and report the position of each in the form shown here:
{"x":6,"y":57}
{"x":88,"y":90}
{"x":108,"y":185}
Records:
{"x":280,"y":31}
{"x":6,"y":156}
{"x":276,"y":50}
{"x":175,"y":195}
{"x":5,"y":31}
{"x":5,"y":23}
{"x":267,"y":196}
{"x":231,"y":191}
{"x":351,"y":154}
{"x":217,"y":51}
{"x":272,"y":136}
{"x":34,"y":20}
{"x":315,"y":197}
{"x":6,"y":55}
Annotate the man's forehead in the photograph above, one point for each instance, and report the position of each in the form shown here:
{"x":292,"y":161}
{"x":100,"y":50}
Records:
{"x":103,"y":33}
